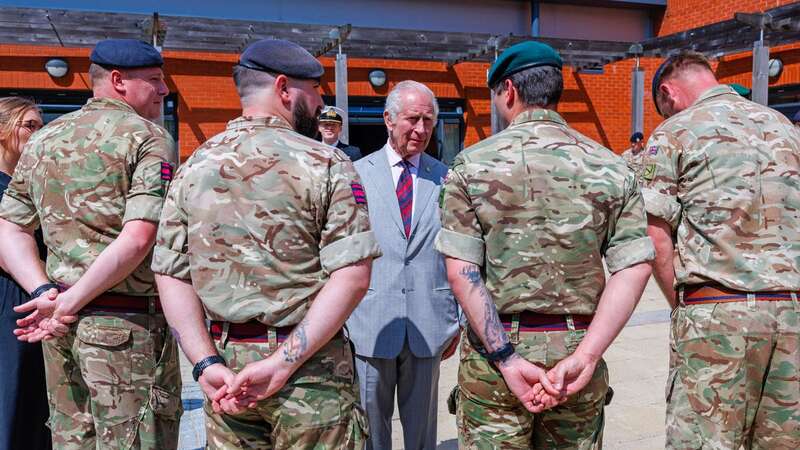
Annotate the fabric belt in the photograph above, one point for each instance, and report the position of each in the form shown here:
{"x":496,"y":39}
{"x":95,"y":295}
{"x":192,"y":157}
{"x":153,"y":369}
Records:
{"x":121,"y":303}
{"x":252,"y":331}
{"x":694,"y":295}
{"x":125,"y":304}
{"x":536,"y":322}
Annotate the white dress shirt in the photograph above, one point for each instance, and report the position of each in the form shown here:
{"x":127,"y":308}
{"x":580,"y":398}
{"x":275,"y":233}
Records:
{"x":397,"y":169}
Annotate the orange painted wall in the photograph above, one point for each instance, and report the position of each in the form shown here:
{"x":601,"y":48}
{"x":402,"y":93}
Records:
{"x":597,"y":105}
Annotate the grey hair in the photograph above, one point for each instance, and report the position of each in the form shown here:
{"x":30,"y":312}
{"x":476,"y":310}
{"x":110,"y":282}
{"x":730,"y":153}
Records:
{"x":538,"y":86}
{"x":395,"y":98}
{"x":249,"y":81}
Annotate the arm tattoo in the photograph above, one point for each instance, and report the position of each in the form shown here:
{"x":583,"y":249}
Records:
{"x":296,"y":345}
{"x":494,"y":335}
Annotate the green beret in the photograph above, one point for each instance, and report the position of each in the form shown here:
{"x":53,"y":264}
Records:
{"x":741,"y":90}
{"x":523,"y":56}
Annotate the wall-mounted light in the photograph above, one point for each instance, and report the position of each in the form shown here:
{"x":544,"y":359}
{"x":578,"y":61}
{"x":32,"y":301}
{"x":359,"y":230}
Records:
{"x":56,"y":67}
{"x":377,"y":78}
{"x":775,"y":67}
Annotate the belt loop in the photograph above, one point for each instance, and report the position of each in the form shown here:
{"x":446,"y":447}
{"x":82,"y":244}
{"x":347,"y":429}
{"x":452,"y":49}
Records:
{"x":272,"y":339}
{"x":514,"y":335}
{"x":681,"y":294}
{"x":751,"y":301}
{"x":223,"y":340}
{"x":151,"y":305}
{"x":795,"y":302}
{"x":570,"y":322}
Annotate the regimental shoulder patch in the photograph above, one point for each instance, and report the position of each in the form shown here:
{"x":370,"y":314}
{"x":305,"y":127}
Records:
{"x":358,"y":193}
{"x":653,"y":150}
{"x":649,"y":172}
{"x":166,"y":171}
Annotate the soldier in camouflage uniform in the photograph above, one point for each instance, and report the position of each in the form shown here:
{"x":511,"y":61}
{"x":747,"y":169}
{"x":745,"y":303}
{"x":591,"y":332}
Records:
{"x":634,"y":155}
{"x":533,"y":211}
{"x":95,"y":180}
{"x":265,"y":233}
{"x":722,"y":193}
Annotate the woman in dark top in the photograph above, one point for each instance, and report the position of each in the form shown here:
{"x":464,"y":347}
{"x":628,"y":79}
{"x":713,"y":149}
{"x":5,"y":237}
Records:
{"x":23,"y":396}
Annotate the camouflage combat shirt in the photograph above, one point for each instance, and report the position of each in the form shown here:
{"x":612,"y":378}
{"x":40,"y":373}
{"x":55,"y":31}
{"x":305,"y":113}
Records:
{"x":634,"y":161}
{"x":258,"y":217}
{"x":82,"y":177}
{"x":539,"y":206}
{"x":725,"y":174}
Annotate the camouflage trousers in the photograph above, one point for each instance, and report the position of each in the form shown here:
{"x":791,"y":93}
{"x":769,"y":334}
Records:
{"x":735,"y":379}
{"x":318,"y":408}
{"x":489,"y":416}
{"x":114,"y":382}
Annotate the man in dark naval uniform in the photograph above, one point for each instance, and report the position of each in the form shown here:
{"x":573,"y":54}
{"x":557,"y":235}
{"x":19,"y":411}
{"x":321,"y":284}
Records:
{"x":330,"y":126}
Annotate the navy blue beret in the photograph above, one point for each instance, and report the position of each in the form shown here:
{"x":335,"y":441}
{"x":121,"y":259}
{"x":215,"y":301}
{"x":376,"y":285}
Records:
{"x":636,"y":137}
{"x":657,"y":81}
{"x":279,"y":56}
{"x":796,"y":118}
{"x":126,"y":54}
{"x":522,"y":56}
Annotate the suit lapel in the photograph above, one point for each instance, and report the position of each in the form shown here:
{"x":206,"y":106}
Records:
{"x":381,"y":175}
{"x":425,"y":187}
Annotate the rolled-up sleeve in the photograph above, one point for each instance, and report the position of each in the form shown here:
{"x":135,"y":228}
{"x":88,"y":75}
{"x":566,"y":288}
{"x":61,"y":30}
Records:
{"x":627,"y":242}
{"x":17,"y":205}
{"x":171,"y":253}
{"x":346,"y":236}
{"x":660,"y":178}
{"x":461,"y":236}
{"x":151,"y":179}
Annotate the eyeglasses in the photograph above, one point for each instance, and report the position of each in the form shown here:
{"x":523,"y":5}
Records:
{"x":31,"y":125}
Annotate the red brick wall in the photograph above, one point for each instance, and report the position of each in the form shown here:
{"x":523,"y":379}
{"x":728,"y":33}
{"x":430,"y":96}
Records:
{"x":685,"y":14}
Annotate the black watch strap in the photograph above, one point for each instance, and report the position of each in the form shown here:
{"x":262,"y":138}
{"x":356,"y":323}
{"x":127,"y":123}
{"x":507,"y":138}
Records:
{"x":501,"y":354}
{"x":204,"y":363}
{"x":42,"y":289}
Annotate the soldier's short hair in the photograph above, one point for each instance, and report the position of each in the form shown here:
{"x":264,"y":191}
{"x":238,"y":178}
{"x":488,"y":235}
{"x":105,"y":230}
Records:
{"x":97,"y":74}
{"x":679,"y":62}
{"x":249,"y":81}
{"x":538,"y":86}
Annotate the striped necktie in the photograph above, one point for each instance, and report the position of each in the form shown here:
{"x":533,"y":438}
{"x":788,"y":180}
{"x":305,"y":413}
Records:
{"x":405,"y":195}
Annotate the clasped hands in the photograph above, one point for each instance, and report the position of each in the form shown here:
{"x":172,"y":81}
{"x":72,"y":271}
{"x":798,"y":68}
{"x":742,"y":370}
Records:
{"x":539,"y":390}
{"x":233,"y":393}
{"x":50,"y":316}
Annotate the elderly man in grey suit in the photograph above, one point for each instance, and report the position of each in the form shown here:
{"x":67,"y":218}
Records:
{"x":408,"y":321}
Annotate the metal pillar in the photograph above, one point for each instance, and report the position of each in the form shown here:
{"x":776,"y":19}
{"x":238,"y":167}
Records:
{"x":637,"y":100}
{"x":760,"y":72}
{"x":495,"y":119}
{"x":341,"y":94}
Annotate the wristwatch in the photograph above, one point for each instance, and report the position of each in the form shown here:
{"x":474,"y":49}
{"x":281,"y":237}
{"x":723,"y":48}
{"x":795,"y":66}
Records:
{"x":204,"y":363}
{"x":42,"y":289}
{"x":496,"y":356}
{"x":501,"y":353}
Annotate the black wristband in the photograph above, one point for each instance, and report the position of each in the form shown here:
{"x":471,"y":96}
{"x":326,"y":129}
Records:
{"x":204,"y":363}
{"x":42,"y":289}
{"x":501,"y":353}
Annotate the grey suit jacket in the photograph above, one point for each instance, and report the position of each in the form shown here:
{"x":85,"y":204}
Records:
{"x":409,"y":296}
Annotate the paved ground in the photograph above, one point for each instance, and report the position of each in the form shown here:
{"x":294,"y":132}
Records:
{"x":638,"y":370}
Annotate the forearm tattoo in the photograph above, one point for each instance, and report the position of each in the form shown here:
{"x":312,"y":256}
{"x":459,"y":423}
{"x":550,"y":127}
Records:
{"x":296,"y":345}
{"x":494,"y":336}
